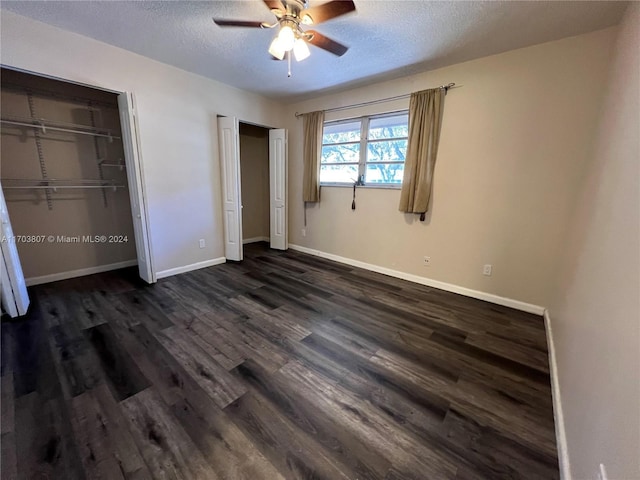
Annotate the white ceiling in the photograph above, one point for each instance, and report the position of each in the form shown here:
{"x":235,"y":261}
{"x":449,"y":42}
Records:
{"x":387,"y":39}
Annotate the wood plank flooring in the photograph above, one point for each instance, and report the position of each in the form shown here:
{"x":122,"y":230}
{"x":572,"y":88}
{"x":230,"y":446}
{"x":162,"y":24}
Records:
{"x":283,"y":366}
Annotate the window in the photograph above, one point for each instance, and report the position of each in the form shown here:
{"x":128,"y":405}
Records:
{"x":372,"y":148}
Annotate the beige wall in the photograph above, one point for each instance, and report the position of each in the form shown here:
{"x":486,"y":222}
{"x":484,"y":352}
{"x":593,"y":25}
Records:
{"x":254,"y":171}
{"x":66,"y":156}
{"x":177,"y":119}
{"x":595,"y":310}
{"x":514,"y":142}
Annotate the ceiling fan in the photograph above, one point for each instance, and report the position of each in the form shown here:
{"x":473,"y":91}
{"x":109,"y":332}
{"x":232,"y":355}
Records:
{"x":290,"y":16}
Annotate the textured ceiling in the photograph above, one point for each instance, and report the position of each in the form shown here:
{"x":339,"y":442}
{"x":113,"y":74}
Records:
{"x":387,"y":39}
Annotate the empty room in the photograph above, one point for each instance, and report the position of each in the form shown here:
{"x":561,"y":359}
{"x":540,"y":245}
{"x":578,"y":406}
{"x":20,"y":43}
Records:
{"x":310,"y":239}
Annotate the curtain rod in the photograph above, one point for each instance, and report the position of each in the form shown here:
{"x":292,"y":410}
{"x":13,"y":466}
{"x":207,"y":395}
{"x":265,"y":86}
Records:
{"x":382,"y":100}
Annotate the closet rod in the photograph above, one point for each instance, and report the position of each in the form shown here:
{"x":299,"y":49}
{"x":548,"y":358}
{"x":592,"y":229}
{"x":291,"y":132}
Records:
{"x":62,"y":187}
{"x":44,"y":129}
{"x":55,"y":182}
{"x":447,"y":87}
{"x":33,"y":120}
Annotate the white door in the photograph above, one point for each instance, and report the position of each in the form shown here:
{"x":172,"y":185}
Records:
{"x":229,"y":142}
{"x":278,"y":188}
{"x":8,"y":298}
{"x":128,"y":123}
{"x":15,"y":298}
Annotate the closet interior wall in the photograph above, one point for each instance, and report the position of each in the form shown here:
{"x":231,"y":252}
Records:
{"x":254,"y":173}
{"x":34,"y":160}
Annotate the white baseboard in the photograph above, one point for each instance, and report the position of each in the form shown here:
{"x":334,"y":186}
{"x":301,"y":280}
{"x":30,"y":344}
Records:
{"x":449,"y":287}
{"x":558,"y":416}
{"x":254,"y":240}
{"x":188,"y":268}
{"x":54,"y":277}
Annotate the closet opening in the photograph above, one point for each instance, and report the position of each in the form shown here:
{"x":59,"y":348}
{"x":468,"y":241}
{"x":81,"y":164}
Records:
{"x":253,"y":166}
{"x":254,"y":175}
{"x":71,"y":180}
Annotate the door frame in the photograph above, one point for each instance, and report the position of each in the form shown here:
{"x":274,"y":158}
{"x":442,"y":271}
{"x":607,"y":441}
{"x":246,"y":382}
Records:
{"x":136,"y":171}
{"x":239,"y":179}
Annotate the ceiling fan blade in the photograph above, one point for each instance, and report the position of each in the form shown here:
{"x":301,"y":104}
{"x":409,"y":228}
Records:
{"x":274,"y":5}
{"x":319,"y":40}
{"x":237,"y":23}
{"x":325,"y":12}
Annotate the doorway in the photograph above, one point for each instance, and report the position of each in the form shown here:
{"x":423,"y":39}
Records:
{"x":71,"y":178}
{"x":233,"y":138}
{"x":254,"y":175}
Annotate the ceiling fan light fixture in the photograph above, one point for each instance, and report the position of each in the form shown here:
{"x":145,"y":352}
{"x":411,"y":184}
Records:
{"x":286,"y":37}
{"x":300,"y":49}
{"x":276,"y":49}
{"x":291,"y":15}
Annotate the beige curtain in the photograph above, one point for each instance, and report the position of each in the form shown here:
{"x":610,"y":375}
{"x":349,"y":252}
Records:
{"x":312,"y":124}
{"x":425,"y":120}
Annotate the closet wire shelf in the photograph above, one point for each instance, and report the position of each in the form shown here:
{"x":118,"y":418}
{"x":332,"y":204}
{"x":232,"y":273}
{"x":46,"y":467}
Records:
{"x":55,"y":184}
{"x":120,"y":164}
{"x":44,"y":125}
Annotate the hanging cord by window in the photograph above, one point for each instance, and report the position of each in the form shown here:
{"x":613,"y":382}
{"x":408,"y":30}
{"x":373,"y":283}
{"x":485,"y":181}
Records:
{"x":356,"y":183}
{"x":353,"y":202}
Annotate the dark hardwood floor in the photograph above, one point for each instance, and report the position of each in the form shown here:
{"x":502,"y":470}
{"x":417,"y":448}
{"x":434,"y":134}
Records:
{"x":281,"y":366}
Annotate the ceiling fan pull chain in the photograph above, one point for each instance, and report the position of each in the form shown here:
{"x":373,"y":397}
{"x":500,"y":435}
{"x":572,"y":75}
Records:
{"x":289,"y":62}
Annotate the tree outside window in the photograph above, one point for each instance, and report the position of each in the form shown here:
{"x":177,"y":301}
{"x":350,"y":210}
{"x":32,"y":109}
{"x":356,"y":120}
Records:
{"x":382,"y":138}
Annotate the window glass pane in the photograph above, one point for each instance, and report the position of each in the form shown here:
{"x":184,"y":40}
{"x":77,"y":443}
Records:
{"x":384,"y":173}
{"x":337,"y":173}
{"x":340,"y":153}
{"x":389,"y":127}
{"x":341,"y":132}
{"x":387,"y":151}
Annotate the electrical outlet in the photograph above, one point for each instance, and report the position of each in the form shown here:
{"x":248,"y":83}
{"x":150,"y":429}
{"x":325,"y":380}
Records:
{"x":486,"y":270}
{"x":201,"y":243}
{"x":427,"y":261}
{"x":602,"y":472}
{"x":304,"y":232}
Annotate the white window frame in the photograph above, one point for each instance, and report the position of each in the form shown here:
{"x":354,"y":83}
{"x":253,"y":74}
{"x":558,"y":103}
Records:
{"x":364,"y":141}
